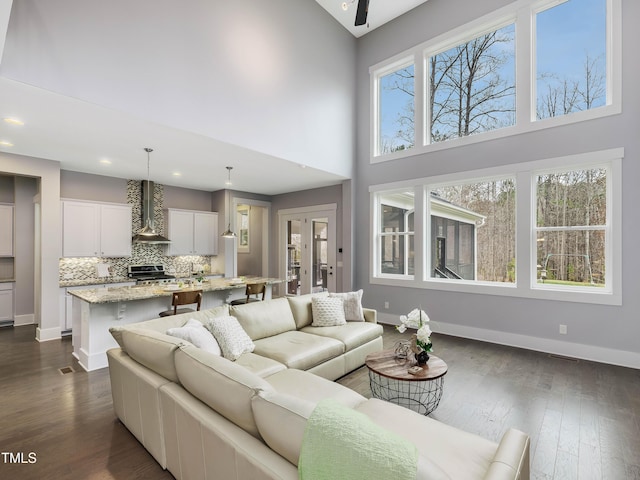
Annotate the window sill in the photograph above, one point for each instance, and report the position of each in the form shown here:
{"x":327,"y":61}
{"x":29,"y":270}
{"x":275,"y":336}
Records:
{"x":578,"y":117}
{"x":506,"y":290}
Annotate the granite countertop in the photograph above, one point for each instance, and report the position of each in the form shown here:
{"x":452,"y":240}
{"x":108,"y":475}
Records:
{"x":142,"y":292}
{"x":105,"y":280}
{"x":93,"y":281}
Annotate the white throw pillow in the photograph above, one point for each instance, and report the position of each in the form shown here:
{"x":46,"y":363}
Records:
{"x":352,"y":305}
{"x":193,"y":331}
{"x":327,"y":311}
{"x":233,"y":340}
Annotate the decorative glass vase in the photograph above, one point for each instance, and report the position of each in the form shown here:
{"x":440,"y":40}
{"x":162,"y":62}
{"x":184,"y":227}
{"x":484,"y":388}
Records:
{"x":402,"y":349}
{"x":422,"y":358}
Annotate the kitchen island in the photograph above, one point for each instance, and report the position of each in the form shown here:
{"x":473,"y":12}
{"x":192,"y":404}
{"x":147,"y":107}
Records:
{"x":95,"y":310}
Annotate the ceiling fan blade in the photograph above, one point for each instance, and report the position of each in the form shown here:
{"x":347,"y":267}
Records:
{"x":361,"y":13}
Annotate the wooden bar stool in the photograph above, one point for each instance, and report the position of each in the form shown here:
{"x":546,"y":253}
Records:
{"x":183,"y":298}
{"x":252,"y":289}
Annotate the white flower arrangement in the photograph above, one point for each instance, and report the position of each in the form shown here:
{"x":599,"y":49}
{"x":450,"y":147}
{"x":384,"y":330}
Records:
{"x":419,"y":320}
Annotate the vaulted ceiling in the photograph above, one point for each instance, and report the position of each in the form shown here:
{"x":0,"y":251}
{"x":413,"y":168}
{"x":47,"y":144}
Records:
{"x":205,"y":86}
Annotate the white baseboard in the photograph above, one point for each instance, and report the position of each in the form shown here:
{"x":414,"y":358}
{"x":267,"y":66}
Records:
{"x":611,"y":356}
{"x":46,"y":334}
{"x":27,"y":319}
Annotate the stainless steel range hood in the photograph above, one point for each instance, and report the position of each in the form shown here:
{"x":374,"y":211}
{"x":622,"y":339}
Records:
{"x":148,"y":234}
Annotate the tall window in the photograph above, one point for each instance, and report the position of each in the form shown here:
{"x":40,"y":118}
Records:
{"x":565,"y":243}
{"x":396,"y":233}
{"x":473,"y":231}
{"x":472,"y":86}
{"x":571,"y":57}
{"x":396,"y":110}
{"x":571,"y":223}
{"x":471,"y":83}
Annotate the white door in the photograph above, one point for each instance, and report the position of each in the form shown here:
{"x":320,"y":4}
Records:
{"x":308,"y":249}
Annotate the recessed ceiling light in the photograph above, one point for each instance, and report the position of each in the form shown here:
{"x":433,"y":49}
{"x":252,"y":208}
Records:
{"x":13,"y":121}
{"x":176,"y":174}
{"x":105,"y":161}
{"x":4,"y":143}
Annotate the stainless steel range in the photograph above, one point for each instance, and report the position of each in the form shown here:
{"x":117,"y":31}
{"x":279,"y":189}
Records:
{"x":149,"y":274}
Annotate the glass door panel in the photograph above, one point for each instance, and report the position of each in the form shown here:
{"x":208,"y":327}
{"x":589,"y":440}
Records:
{"x":320,"y":228}
{"x":309,"y":248}
{"x":294,"y":255}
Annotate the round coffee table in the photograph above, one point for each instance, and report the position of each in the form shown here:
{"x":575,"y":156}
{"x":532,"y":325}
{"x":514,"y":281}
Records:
{"x":390,"y":380}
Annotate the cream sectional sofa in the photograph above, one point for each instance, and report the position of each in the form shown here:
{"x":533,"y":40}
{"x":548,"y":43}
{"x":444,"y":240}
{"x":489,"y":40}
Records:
{"x":204,"y":417}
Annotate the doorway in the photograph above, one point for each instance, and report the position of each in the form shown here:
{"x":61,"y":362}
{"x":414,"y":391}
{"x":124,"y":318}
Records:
{"x":250,"y":221}
{"x":307,"y":249}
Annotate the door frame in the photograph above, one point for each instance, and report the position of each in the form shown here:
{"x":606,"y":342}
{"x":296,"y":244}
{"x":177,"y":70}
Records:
{"x":308,"y":213}
{"x":266,"y":215}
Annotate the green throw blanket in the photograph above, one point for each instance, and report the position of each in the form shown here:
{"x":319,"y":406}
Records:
{"x":340,"y":443}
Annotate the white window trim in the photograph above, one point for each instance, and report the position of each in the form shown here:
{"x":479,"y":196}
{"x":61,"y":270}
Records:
{"x":396,"y":64}
{"x":376,"y":241}
{"x":526,"y":285}
{"x":520,"y":11}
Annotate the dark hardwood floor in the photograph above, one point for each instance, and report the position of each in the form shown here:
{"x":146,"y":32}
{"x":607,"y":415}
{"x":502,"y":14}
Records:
{"x":67,"y":420}
{"x":583,"y":417}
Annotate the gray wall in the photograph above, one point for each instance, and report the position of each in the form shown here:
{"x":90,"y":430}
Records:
{"x":307,"y":198}
{"x":525,"y":321}
{"x":6,"y":188}
{"x":96,"y":188}
{"x":100,"y":188}
{"x":188,"y":199}
{"x":48,"y":238}
{"x":250,"y":263}
{"x":26,"y":189}
{"x":20,"y":191}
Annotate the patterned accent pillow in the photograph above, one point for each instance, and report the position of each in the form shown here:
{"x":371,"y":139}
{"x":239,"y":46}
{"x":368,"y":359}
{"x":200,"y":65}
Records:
{"x":327,"y":312}
{"x":193,"y":331}
{"x":352,"y":305}
{"x":232,"y":338}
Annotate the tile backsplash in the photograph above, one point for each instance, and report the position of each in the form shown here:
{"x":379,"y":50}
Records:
{"x":87,"y":268}
{"x":141,"y":254}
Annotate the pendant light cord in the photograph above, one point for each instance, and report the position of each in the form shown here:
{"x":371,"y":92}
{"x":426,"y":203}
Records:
{"x":228,"y":233}
{"x":148,"y":150}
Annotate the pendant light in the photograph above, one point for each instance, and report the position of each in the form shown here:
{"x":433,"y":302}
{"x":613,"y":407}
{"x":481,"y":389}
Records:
{"x":228,"y":233}
{"x":147,"y":233}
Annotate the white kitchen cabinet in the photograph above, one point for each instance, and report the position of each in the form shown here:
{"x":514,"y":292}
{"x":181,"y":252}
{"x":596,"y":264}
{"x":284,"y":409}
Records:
{"x":6,"y":302}
{"x":6,"y":230}
{"x":192,"y":232}
{"x":205,"y":233}
{"x":95,"y":229}
{"x":180,"y":232}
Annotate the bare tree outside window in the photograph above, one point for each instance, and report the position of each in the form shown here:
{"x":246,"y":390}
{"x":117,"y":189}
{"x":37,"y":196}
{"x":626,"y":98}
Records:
{"x":562,"y":96}
{"x":571,"y":74}
{"x":473,"y":86}
{"x":396,"y":111}
{"x":571,"y":222}
{"x":495,"y":240}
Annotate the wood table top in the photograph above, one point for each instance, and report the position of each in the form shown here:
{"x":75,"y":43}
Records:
{"x":386,"y":364}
